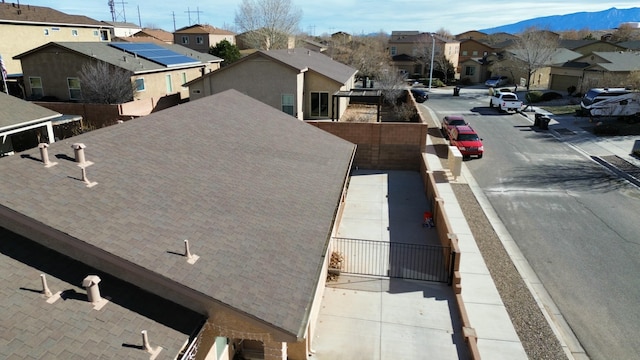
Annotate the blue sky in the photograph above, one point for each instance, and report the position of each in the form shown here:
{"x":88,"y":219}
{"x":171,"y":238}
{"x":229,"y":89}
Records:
{"x":328,"y":16}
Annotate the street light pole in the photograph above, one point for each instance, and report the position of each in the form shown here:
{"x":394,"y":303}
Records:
{"x":433,"y":49}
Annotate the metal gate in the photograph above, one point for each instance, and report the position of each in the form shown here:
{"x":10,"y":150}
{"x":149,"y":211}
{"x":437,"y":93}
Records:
{"x":395,"y":260}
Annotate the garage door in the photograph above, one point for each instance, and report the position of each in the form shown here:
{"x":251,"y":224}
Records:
{"x":562,"y":82}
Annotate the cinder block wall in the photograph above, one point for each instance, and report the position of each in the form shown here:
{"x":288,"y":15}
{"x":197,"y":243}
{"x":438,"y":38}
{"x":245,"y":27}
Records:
{"x":388,"y":146}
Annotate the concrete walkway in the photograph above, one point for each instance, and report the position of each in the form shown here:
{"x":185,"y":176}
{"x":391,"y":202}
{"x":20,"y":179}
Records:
{"x":379,"y":318}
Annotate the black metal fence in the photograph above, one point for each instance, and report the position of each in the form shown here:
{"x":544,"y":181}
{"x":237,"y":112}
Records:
{"x":395,"y":260}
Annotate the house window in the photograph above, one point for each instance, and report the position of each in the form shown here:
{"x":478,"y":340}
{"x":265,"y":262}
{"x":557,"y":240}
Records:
{"x":74,"y":88}
{"x":74,"y":32}
{"x":287,"y":103}
{"x":104,"y":35}
{"x":185,"y":39}
{"x":55,"y":29}
{"x":469,"y":70}
{"x":140,"y":84}
{"x":320,"y":104}
{"x":464,"y":52}
{"x":35,"y":83}
{"x":394,"y":51}
{"x":95,"y":33}
{"x":46,"y":32}
{"x":475,"y":53}
{"x":184,"y":78}
{"x":167,"y":79}
{"x":199,"y":40}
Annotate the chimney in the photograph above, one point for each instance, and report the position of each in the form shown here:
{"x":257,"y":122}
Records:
{"x":78,"y":149}
{"x":93,"y":291}
{"x":44,"y":155}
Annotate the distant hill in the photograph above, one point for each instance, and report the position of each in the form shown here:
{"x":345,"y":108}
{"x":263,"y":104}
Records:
{"x":600,"y":20}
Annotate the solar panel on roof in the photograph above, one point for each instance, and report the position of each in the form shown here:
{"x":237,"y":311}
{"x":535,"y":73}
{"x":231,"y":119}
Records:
{"x":156,"y":53}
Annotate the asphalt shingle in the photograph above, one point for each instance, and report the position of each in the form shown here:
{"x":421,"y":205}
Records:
{"x":253,"y":189}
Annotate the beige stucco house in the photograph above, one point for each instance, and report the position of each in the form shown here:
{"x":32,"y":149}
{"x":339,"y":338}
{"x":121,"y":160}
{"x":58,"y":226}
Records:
{"x":202,"y":37}
{"x":415,"y":47}
{"x":597,"y":69}
{"x":299,"y":82}
{"x":24,"y":27}
{"x":52,"y":70}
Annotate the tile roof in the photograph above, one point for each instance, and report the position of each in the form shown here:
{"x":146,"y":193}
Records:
{"x":15,"y":111}
{"x":302,"y":59}
{"x":12,"y":12}
{"x":114,"y":56}
{"x":253,"y":189}
{"x":70,"y":328}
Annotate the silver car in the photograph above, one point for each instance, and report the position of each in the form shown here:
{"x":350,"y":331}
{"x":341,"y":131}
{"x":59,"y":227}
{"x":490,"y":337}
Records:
{"x":497,"y":81}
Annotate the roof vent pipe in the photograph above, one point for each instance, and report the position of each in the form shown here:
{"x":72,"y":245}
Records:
{"x":187,"y":253}
{"x":44,"y":154}
{"x":78,"y":150}
{"x":45,"y":288}
{"x":145,"y":341}
{"x":93,"y":291}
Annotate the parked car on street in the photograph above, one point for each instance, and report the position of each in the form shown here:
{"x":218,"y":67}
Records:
{"x":420,"y":95}
{"x":449,"y":121}
{"x":467,"y":141}
{"x":497,"y":81}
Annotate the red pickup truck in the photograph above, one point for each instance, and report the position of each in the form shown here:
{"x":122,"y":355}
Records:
{"x":467,"y":141}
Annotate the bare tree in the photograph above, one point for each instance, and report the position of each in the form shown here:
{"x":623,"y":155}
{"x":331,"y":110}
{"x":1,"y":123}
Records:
{"x":268,"y":24}
{"x":625,"y":32}
{"x":368,"y":54}
{"x":105,"y":84}
{"x":533,"y":49}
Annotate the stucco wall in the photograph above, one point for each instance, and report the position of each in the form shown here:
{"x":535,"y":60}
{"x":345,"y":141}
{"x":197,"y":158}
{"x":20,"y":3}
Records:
{"x":17,"y":39}
{"x":390,"y":146}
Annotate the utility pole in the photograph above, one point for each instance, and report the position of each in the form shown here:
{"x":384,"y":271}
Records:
{"x":197,"y":12}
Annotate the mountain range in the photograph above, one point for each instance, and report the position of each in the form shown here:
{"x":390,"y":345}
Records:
{"x":599,"y":20}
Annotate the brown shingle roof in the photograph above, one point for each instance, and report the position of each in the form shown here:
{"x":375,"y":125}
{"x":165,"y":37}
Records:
{"x":203,"y":29}
{"x":12,"y":12}
{"x":159,"y":34}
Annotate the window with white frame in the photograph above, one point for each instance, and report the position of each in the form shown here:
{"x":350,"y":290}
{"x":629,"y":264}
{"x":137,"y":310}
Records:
{"x":35,"y":83}
{"x":74,"y":32}
{"x":474,"y":53}
{"x":140,"y":84}
{"x":184,"y":78}
{"x":394,"y":51}
{"x":319,"y":104}
{"x":167,"y":79}
{"x":74,"y":88}
{"x":185,"y":39}
{"x":464,"y":52}
{"x":287,"y":104}
{"x":104,"y":35}
{"x":199,"y":40}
